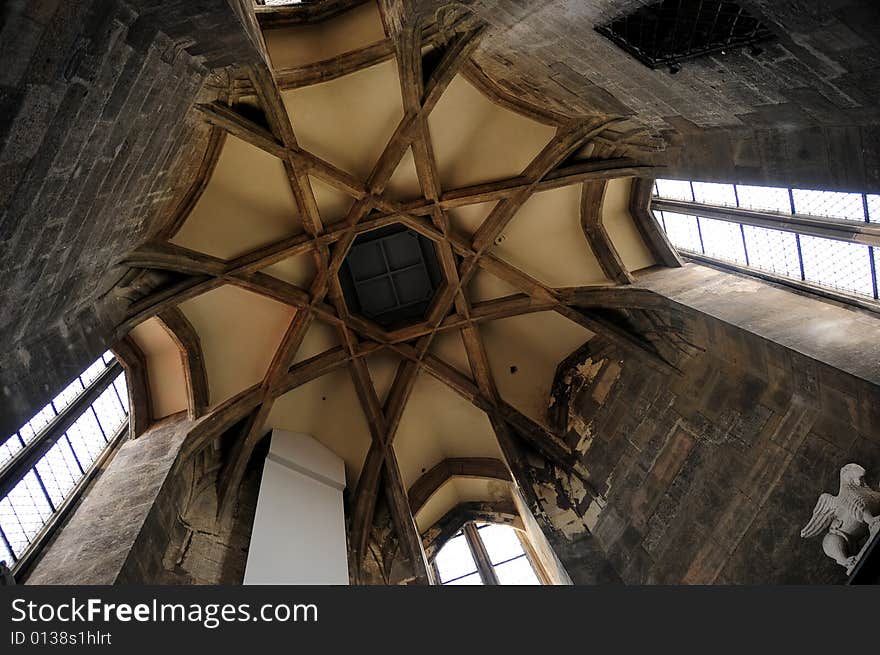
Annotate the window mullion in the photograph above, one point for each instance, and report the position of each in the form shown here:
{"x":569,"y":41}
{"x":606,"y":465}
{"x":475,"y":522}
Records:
{"x":437,"y":580}
{"x":700,"y":234}
{"x":742,"y":231}
{"x":870,"y":248}
{"x":8,"y":546}
{"x":44,"y":490}
{"x":98,"y":421}
{"x":873,"y":271}
{"x":481,"y":557}
{"x":75,"y":456}
{"x":797,"y":241}
{"x":533,"y":559}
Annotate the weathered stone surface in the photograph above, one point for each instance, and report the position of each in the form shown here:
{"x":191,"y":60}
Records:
{"x":712,"y":478}
{"x":95,"y":144}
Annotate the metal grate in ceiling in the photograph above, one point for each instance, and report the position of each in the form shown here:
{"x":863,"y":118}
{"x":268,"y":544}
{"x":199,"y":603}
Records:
{"x":668,"y":32}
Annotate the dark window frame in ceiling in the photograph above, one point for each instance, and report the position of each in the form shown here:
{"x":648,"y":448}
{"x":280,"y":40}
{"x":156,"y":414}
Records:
{"x":394,"y":264}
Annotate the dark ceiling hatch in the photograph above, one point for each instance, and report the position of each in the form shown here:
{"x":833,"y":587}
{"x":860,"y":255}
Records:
{"x":390,"y":276}
{"x":665,"y":33}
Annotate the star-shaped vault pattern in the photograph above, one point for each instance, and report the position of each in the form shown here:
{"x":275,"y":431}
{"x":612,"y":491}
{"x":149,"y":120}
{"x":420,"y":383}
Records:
{"x":385,"y":120}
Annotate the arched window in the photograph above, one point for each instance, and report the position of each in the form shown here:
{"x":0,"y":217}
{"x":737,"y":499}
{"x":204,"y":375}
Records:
{"x":825,"y":242}
{"x":485,"y":554}
{"x":47,"y":463}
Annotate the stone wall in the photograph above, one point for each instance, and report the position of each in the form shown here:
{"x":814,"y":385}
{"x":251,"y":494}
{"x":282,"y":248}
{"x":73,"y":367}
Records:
{"x":200,"y":546}
{"x":708,"y":476}
{"x":95,"y":144}
{"x":845,"y":158}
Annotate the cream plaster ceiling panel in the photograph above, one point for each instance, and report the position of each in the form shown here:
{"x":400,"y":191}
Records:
{"x":467,"y":219}
{"x":164,"y":368}
{"x":298,"y":270}
{"x":246,"y":204}
{"x":240,"y":332}
{"x":545,"y":240}
{"x":306,"y":44}
{"x":620,"y":226}
{"x":349,"y":120}
{"x":486,"y":286}
{"x":404,"y":182}
{"x":457,"y":490}
{"x":438,"y":423}
{"x":449,"y":347}
{"x":383,"y":368}
{"x":319,"y":337}
{"x":534,"y":344}
{"x":478,"y":141}
{"x":327,"y":409}
{"x":333,"y":204}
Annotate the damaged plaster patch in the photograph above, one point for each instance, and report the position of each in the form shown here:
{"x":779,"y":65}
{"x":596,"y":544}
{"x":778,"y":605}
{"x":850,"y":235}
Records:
{"x":606,"y":382}
{"x":589,"y":369}
{"x":24,"y":357}
{"x":566,"y":520}
{"x":594,"y":511}
{"x":584,"y":430}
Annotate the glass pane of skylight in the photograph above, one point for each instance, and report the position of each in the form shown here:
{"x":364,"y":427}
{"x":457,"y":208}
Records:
{"x":472,"y":579}
{"x":516,"y":572}
{"x":773,"y":251}
{"x":92,"y":372}
{"x":67,"y":395}
{"x":675,"y":190}
{"x":708,"y":193}
{"x":722,"y":240}
{"x":41,"y":419}
{"x":59,"y":471}
{"x":682,"y":231}
{"x":837,"y":264}
{"x":110,"y":412}
{"x":27,"y":432}
{"x":831,"y":204}
{"x":766,"y":198}
{"x":8,"y":448}
{"x":23,"y":512}
{"x":501,"y":542}
{"x":873,"y":207}
{"x":86,"y":438}
{"x":122,"y":389}
{"x":454,"y":559}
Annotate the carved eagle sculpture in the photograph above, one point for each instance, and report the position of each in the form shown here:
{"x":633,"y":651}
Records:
{"x":846,"y":516}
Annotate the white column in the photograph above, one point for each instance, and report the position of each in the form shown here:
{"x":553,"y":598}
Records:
{"x":299,"y":526}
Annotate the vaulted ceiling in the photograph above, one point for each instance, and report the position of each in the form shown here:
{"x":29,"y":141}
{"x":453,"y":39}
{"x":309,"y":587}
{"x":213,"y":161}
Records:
{"x":368,"y":120}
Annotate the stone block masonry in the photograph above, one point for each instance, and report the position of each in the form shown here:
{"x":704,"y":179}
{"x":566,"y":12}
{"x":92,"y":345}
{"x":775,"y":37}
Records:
{"x":95,"y":144}
{"x":708,"y":477}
